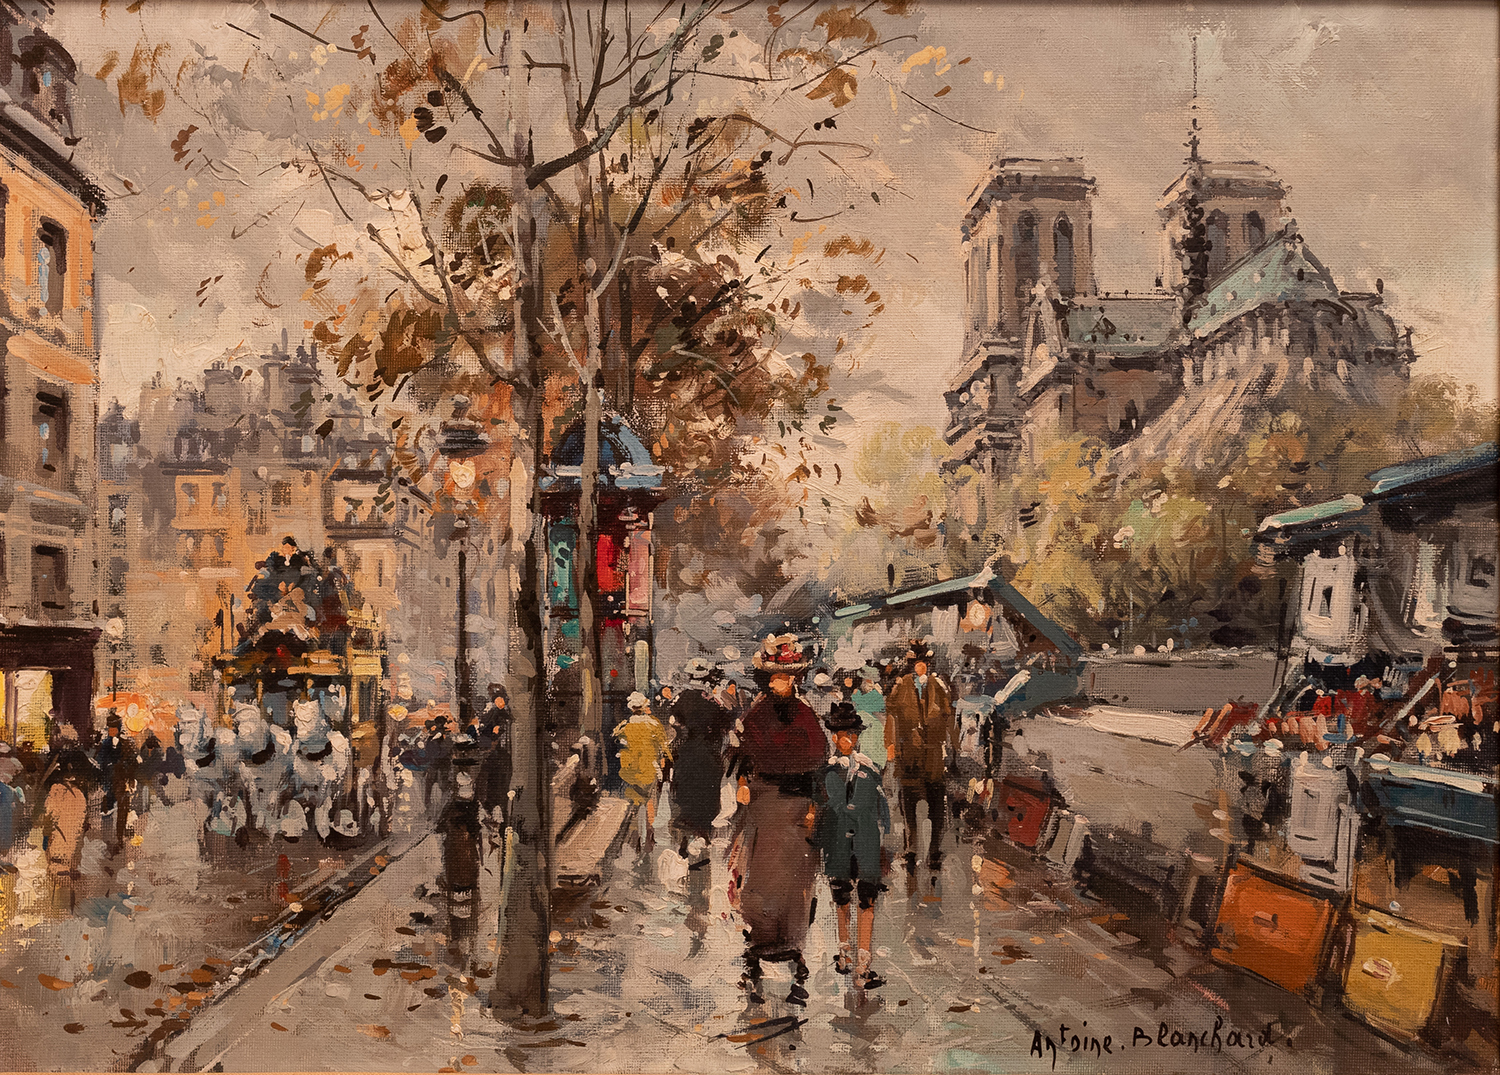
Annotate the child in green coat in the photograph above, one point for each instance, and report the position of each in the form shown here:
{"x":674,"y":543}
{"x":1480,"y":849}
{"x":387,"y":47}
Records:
{"x":854,"y":817}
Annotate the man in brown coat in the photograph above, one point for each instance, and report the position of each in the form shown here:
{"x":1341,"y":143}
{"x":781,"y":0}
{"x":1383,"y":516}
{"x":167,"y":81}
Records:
{"x":922,"y":741}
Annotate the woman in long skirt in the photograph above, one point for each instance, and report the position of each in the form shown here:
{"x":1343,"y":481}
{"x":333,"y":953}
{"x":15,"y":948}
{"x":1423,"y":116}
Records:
{"x":773,"y":862}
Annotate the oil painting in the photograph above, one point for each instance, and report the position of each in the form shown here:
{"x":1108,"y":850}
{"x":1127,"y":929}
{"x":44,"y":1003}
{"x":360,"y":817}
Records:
{"x":748,"y":535}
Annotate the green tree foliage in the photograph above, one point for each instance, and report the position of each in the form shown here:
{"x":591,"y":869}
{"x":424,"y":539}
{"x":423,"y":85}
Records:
{"x":1164,"y":552}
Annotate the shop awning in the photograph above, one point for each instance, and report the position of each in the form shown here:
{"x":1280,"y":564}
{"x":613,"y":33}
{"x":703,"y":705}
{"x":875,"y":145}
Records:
{"x":945,"y":592}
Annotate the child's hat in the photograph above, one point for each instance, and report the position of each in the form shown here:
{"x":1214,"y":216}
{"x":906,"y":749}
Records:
{"x":843,"y":717}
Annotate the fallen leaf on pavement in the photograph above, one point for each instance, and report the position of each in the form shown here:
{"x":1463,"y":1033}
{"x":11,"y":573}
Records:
{"x":959,"y":1007}
{"x":374,"y":1031}
{"x":277,"y":1026}
{"x":73,"y":1028}
{"x":53,"y":983}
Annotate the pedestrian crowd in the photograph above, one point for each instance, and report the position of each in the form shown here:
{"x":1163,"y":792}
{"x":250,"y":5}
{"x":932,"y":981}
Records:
{"x":247,"y":777}
{"x":812,"y":774}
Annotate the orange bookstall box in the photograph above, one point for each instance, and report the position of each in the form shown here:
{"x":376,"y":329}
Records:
{"x":1029,"y":803}
{"x":1279,"y":932}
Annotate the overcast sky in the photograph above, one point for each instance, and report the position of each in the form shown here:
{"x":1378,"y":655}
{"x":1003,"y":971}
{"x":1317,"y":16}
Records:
{"x":1381,"y":121}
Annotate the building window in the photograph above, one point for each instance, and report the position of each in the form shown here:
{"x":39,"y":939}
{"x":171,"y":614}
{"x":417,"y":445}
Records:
{"x":1062,"y":244}
{"x":1482,"y":572}
{"x":116,"y":577}
{"x":49,"y":577}
{"x":281,"y":494}
{"x":51,"y":419}
{"x":117,"y":505}
{"x":1255,"y":230}
{"x":51,"y":264}
{"x":1132,"y":417}
{"x":1218,"y":241}
{"x":1027,"y":253}
{"x":997,"y":251}
{"x":221,"y":498}
{"x":1324,"y":600}
{"x":190,"y":497}
{"x":380,"y":572}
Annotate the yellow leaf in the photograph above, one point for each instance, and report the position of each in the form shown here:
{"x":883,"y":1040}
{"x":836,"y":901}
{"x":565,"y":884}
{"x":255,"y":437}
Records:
{"x":312,"y":99}
{"x":927,"y":55}
{"x":218,"y":197}
{"x":206,"y":221}
{"x":409,"y":131}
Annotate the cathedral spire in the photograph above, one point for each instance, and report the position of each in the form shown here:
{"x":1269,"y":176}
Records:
{"x":1192,"y":142}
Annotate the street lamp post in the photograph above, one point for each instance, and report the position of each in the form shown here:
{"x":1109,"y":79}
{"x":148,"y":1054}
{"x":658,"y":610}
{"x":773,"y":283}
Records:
{"x":461,"y":661}
{"x":462,"y":438}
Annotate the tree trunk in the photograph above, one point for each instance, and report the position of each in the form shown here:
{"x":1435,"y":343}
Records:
{"x":585,"y":553}
{"x":522,"y":982}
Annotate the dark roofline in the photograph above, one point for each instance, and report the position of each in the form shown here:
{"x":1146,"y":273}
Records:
{"x":1396,"y":482}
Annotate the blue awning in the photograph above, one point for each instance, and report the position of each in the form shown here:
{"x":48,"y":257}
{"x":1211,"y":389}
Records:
{"x":1393,"y":479}
{"x":986,"y":580}
{"x":1322,"y":513}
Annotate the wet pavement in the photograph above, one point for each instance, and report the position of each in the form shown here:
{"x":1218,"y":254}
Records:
{"x":157,"y":931}
{"x":995,"y":962}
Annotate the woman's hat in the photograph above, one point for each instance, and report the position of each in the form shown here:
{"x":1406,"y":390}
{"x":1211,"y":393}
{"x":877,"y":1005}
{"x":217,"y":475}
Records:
{"x":843,"y":717}
{"x":638,"y":702}
{"x":822,"y":679}
{"x":781,"y":653}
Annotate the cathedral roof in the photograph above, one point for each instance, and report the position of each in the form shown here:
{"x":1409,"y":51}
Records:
{"x":1242,"y":175}
{"x":1280,"y":270}
{"x":1133,"y":325}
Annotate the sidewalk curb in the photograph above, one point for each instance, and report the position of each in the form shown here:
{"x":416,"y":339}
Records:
{"x":283,"y":935}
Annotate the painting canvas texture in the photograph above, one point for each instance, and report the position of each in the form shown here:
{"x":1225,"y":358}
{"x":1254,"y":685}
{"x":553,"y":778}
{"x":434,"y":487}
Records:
{"x":857,"y":536}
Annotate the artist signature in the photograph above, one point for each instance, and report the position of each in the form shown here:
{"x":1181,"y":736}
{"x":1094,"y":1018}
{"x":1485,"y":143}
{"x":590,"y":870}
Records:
{"x":1081,"y":1040}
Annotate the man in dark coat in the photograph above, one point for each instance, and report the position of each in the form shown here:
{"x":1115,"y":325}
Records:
{"x":492,"y":787}
{"x":463,"y":842}
{"x":701,"y":725}
{"x":924,"y":746}
{"x":116,"y":758}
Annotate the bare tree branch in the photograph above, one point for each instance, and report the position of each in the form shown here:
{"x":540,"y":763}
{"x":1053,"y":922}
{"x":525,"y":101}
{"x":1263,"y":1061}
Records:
{"x":464,"y":15}
{"x":949,"y":118}
{"x":374,"y":233}
{"x":638,"y":97}
{"x":475,"y":344}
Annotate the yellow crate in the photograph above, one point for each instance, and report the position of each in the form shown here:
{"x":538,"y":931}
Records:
{"x":1398,"y":974}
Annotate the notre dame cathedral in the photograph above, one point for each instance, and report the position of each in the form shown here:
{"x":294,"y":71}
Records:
{"x":1242,"y":313}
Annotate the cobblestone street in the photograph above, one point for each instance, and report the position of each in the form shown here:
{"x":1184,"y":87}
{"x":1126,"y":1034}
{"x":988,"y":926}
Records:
{"x":996,"y":960}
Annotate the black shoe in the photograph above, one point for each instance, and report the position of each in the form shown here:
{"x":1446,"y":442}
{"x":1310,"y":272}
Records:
{"x":870,"y":979}
{"x":752,"y":989}
{"x":798,"y":995}
{"x":842,"y":963}
{"x":935,"y":862}
{"x":911,"y":862}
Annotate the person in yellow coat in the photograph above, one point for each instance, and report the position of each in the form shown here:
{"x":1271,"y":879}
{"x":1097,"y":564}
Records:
{"x":644,"y":753}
